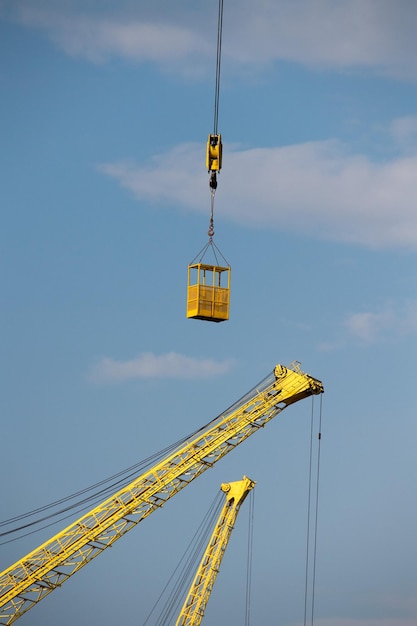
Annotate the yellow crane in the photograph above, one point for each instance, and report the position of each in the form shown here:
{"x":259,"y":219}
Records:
{"x":195,"y":604}
{"x":37,"y":574}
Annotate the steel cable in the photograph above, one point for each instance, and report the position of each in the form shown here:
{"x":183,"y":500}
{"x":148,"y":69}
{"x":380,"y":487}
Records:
{"x":250,"y":556}
{"x":185,"y":568}
{"x":312,"y":577}
{"x":218,"y":62}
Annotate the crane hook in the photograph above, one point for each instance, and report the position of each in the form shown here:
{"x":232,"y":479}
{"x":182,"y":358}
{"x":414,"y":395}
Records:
{"x":213,"y":181}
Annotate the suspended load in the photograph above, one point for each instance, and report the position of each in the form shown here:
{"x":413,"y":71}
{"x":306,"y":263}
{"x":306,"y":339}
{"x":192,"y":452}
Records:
{"x":208,"y":293}
{"x":208,"y":296}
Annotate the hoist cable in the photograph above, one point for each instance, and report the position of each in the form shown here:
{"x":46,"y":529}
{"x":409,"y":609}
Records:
{"x":250,"y":556}
{"x":308,"y":513}
{"x":316,"y":517}
{"x":213,"y":175}
{"x":218,"y":61}
{"x":309,"y":516}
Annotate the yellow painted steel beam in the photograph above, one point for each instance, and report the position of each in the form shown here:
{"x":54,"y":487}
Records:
{"x":38,"y":573}
{"x":195,"y":604}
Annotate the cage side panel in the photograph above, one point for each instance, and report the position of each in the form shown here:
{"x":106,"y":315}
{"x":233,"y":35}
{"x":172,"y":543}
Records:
{"x":208,"y":302}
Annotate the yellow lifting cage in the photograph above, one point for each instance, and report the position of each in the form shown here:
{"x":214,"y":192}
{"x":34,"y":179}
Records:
{"x":208,"y":295}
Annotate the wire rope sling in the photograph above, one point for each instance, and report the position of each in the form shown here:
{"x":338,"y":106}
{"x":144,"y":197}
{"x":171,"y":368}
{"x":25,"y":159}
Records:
{"x":208,"y":293}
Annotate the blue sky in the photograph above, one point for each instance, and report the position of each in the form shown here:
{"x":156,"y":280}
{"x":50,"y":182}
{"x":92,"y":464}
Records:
{"x":105,"y":109}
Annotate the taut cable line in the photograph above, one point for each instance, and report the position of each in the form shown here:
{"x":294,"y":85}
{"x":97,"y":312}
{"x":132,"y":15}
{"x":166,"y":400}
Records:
{"x":310,"y":511}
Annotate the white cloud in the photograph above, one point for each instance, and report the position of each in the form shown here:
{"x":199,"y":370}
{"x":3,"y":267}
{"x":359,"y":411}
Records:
{"x":368,"y":326}
{"x":317,"y":188}
{"x":392,"y":321}
{"x":404,"y":131}
{"x":99,"y":38}
{"x":148,"y":365}
{"x":374,"y":34}
{"x":377,"y":34}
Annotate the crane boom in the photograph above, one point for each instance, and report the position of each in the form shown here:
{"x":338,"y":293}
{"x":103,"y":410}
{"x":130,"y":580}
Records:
{"x":195,"y":604}
{"x":34,"y":576}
